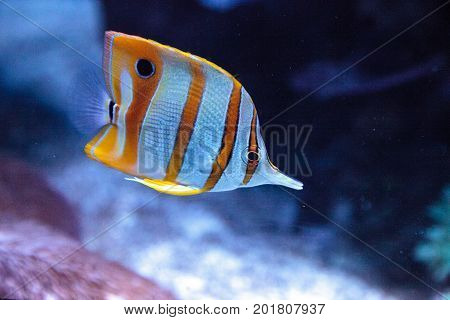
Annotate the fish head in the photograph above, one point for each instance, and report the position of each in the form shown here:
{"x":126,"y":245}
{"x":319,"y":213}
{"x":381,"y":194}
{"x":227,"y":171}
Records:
{"x":132,"y":68}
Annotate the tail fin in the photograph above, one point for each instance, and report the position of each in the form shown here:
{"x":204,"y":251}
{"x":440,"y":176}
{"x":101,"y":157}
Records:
{"x":277,"y":177}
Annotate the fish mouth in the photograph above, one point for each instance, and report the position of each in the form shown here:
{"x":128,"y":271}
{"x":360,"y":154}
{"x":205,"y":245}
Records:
{"x":91,"y":146}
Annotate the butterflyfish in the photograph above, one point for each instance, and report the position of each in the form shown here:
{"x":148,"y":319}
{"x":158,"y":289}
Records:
{"x":176,"y":122}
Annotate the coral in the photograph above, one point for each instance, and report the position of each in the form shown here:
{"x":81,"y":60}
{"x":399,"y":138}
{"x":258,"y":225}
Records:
{"x":25,"y":195}
{"x":40,"y":254}
{"x":53,"y":266}
{"x":435,"y":249}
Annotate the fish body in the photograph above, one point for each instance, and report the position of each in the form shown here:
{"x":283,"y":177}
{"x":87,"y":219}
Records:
{"x":178,"y":123}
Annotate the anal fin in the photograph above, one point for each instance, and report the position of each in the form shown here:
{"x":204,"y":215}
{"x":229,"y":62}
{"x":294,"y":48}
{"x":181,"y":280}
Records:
{"x":168,"y":187}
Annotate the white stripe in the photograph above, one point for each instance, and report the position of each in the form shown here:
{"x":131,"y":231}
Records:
{"x":159,"y":128}
{"x":206,"y":138}
{"x":126,"y":92}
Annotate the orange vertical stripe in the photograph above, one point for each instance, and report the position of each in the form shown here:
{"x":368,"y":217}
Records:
{"x":253,"y":147}
{"x":228,"y":138}
{"x":187,"y":122}
{"x":142,"y":95}
{"x":143,"y":91}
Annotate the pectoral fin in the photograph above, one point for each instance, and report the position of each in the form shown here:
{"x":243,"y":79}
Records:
{"x":168,"y":187}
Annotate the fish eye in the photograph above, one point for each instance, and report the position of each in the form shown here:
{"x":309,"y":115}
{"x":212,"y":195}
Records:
{"x":253,"y":156}
{"x":144,"y":68}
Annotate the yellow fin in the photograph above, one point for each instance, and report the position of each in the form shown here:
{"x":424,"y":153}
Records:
{"x":168,"y":187}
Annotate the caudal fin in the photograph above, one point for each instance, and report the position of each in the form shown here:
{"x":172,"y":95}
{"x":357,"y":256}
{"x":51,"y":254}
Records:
{"x":275,"y":176}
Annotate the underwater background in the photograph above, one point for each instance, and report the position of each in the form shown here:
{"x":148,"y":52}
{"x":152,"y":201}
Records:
{"x":373,"y":220}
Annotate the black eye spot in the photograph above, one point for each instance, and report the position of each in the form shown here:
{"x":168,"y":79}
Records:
{"x":111,"y":110}
{"x":145,"y":68}
{"x":252,"y":156}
